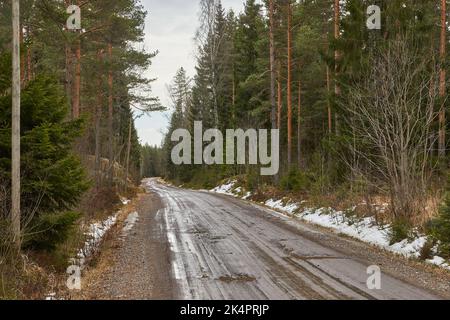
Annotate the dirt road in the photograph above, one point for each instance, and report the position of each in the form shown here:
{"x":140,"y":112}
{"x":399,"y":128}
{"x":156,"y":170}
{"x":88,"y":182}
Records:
{"x":198,"y":245}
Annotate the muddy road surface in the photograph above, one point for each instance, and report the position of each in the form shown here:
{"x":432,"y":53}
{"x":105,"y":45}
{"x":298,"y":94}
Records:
{"x":224,"y":248}
{"x":199,"y":245}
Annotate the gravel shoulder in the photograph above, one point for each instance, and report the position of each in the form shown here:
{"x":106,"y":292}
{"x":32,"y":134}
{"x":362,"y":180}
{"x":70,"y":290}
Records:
{"x":133,"y":264}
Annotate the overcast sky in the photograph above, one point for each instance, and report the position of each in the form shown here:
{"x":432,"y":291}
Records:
{"x":170,"y":29}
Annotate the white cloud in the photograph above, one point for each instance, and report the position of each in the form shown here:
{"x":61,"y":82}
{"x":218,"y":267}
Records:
{"x":170,"y":29}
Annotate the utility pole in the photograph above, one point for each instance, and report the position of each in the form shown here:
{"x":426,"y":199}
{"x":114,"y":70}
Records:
{"x":15,"y":134}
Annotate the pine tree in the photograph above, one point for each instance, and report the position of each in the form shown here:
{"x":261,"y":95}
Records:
{"x":53,"y":178}
{"x":441,"y":226}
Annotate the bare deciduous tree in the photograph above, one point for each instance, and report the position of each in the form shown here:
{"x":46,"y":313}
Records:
{"x":392,"y":113}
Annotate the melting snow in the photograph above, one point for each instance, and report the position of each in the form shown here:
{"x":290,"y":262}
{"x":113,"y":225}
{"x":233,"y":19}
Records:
{"x":125,"y":201}
{"x":226,"y":188}
{"x":95,"y":234}
{"x":130,"y":222}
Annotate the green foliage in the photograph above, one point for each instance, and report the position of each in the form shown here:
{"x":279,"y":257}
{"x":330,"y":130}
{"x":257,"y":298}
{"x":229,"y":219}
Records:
{"x":296,"y":181}
{"x":53,"y":179}
{"x":52,"y":174}
{"x":440,"y":227}
{"x":401,"y":230}
{"x":152,"y":161}
{"x":49,"y":230}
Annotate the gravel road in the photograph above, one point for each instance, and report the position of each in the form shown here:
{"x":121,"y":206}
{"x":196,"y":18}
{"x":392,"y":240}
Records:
{"x":224,"y":248}
{"x":198,"y":245}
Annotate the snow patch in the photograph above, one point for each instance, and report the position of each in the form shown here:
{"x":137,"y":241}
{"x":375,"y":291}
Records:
{"x":290,"y":207}
{"x":226,"y":188}
{"x":130,"y":222}
{"x":441,"y":262}
{"x":125,"y":201}
{"x":96,"y":232}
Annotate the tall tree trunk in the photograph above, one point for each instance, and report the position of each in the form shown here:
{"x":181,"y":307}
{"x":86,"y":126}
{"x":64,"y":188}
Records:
{"x":29,"y":65}
{"x":77,"y":81}
{"x":69,"y":66}
{"x":337,"y":55}
{"x":77,"y":78}
{"x":442,"y":80}
{"x":289,"y":84}
{"x":233,"y":115}
{"x":299,"y":125}
{"x":98,"y":119}
{"x":280,"y":97}
{"x":15,"y":134}
{"x":330,"y":117}
{"x":272,"y":66}
{"x":128,"y":154}
{"x":110,"y":118}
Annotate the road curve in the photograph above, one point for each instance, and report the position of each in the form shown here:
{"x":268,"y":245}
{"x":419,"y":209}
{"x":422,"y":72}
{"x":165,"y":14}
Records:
{"x":224,"y":248}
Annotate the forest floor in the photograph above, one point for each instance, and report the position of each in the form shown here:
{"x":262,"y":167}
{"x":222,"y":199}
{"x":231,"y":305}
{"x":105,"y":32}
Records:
{"x":185,"y":244}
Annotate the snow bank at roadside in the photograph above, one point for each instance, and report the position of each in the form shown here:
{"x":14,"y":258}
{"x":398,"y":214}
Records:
{"x":363,"y":229}
{"x":130,"y":222}
{"x":227,"y":189}
{"x":94,"y":234}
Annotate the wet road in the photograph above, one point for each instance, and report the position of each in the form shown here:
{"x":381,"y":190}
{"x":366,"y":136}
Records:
{"x":225,"y":248}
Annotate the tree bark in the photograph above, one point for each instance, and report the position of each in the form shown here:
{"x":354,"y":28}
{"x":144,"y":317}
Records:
{"x":29,"y":65}
{"x":272,"y":66}
{"x":289,"y":80}
{"x":69,"y":66}
{"x":337,"y":56}
{"x":330,"y":117}
{"x":110,"y":118}
{"x":299,"y":125}
{"x":77,"y":81}
{"x":77,"y":78}
{"x":442,"y":80}
{"x":280,"y":96}
{"x":98,"y":117}
{"x":128,"y":154}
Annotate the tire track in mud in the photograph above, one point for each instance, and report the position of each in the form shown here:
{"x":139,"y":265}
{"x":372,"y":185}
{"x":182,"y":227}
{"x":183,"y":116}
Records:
{"x":226,"y":249}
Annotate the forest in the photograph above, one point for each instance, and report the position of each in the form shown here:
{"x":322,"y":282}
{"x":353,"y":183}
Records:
{"x":362,"y":111}
{"x":81,"y":92}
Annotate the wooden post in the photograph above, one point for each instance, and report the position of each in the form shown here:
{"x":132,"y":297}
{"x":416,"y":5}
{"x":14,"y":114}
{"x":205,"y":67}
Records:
{"x":15,"y":135}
